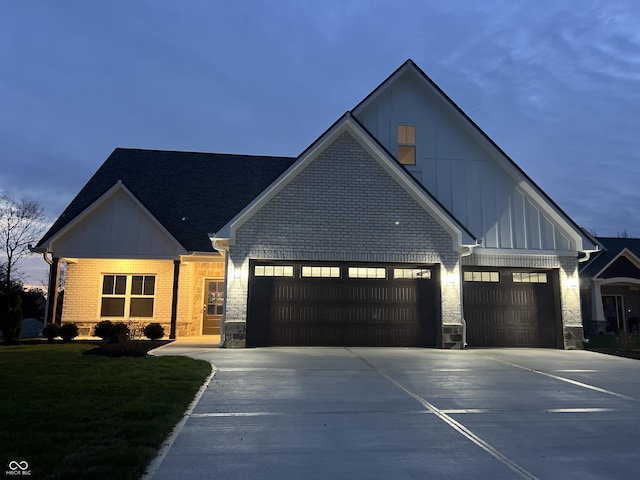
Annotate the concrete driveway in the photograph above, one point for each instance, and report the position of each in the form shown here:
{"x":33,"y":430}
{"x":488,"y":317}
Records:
{"x":387,"y":413}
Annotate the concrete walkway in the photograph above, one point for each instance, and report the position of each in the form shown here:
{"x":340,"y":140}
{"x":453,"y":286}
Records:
{"x":382,"y":413}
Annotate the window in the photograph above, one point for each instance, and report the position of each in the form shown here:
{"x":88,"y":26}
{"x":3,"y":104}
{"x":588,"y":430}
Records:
{"x":132,"y":294}
{"x":424,"y":273}
{"x":142,"y":291}
{"x":407,"y":144}
{"x":491,"y":277}
{"x":114,"y":289}
{"x":320,"y":272}
{"x":367,"y":272}
{"x":273,"y":271}
{"x":215,"y":298}
{"x":529,"y":277}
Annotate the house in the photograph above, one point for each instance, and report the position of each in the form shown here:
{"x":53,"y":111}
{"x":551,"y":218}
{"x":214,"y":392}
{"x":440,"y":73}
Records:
{"x":403,"y":224}
{"x":610,"y":287}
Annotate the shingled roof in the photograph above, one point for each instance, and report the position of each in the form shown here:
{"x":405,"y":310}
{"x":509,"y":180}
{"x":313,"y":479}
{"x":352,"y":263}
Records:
{"x":190,"y":194}
{"x":611,"y":248}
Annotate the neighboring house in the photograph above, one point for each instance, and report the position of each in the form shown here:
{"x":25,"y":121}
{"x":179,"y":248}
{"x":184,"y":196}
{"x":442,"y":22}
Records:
{"x":610,"y":287}
{"x":398,"y":222}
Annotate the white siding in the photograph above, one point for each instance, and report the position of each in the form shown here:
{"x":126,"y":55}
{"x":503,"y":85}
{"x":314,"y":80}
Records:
{"x":115,"y":228}
{"x":458,"y":166}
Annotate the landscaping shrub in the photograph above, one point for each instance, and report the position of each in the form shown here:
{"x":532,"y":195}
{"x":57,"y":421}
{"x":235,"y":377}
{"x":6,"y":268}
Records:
{"x":103,"y":329}
{"x":68,"y":331}
{"x":154,"y":331}
{"x":119,"y":333}
{"x":51,"y":331}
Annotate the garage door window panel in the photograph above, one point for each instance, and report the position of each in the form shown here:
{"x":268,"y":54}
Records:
{"x":412,"y":273}
{"x":485,"y":277}
{"x":320,"y":272}
{"x":529,"y":277}
{"x":273,"y":271}
{"x":379,"y":273}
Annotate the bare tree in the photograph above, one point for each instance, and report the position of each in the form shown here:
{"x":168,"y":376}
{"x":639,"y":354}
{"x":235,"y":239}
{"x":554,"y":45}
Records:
{"x":21,"y":224}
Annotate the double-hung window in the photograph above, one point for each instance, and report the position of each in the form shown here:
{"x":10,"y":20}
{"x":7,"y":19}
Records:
{"x":128,"y":296}
{"x":407,"y":144}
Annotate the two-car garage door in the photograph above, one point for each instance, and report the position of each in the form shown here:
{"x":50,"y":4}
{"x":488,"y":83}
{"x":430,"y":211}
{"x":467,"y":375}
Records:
{"x":345,"y":304}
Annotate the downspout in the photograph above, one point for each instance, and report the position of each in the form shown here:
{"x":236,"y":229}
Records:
{"x":585,"y":255}
{"x":174,"y":299}
{"x":51,"y":307}
{"x":222,"y":246}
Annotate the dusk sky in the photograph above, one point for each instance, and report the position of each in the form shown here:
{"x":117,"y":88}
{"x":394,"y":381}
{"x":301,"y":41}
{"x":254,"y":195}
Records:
{"x":555,"y":83}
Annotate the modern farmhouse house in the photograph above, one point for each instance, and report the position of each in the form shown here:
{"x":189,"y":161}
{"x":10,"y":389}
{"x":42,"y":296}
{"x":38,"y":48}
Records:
{"x":403,"y":224}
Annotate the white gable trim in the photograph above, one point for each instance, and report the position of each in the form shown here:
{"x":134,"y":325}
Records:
{"x":460,"y":237}
{"x":625,"y":252}
{"x":117,"y":187}
{"x":581,"y":242}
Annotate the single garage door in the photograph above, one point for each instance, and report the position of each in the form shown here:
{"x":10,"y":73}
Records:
{"x":509,"y":307}
{"x":342,"y":304}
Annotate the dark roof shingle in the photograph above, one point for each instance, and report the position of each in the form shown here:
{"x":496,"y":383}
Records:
{"x":611,"y":248}
{"x":190,"y":194}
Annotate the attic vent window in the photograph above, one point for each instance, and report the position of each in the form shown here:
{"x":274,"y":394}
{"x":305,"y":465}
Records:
{"x":407,"y":144}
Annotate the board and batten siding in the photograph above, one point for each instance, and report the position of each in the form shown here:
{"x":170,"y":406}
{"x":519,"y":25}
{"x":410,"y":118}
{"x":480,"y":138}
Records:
{"x":116,"y":227}
{"x":457,"y":165}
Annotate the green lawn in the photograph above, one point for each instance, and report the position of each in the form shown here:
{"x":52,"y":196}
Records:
{"x":77,"y":416}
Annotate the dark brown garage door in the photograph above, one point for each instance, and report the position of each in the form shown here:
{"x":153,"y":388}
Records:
{"x":511,"y":307}
{"x":340,"y":304}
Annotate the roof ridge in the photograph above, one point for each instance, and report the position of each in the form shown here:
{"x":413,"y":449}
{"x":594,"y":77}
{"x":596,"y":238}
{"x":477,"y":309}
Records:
{"x":192,"y":152}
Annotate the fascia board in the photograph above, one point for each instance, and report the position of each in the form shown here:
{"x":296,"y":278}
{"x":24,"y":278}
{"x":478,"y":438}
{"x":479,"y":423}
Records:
{"x":118,"y":186}
{"x":625,"y":252}
{"x":524,"y":251}
{"x":373,"y":96}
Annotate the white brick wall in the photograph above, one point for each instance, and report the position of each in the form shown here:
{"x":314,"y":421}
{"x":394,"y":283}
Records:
{"x":343,"y":207}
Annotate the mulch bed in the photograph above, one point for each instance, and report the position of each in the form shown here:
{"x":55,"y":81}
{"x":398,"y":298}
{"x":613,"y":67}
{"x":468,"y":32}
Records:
{"x":130,"y":348}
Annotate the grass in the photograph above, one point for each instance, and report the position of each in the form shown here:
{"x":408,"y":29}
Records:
{"x":77,"y":416}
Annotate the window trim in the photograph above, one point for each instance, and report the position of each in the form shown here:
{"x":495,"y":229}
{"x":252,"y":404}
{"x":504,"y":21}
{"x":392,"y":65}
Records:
{"x":127,"y":296}
{"x":406,"y":145}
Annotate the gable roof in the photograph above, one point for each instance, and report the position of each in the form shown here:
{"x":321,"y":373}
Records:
{"x":612,"y":249}
{"x":188,"y":193}
{"x":397,"y":171}
{"x":411,"y":66}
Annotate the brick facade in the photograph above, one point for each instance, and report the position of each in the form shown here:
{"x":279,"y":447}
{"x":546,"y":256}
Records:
{"x":83,"y":286}
{"x":343,"y":206}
